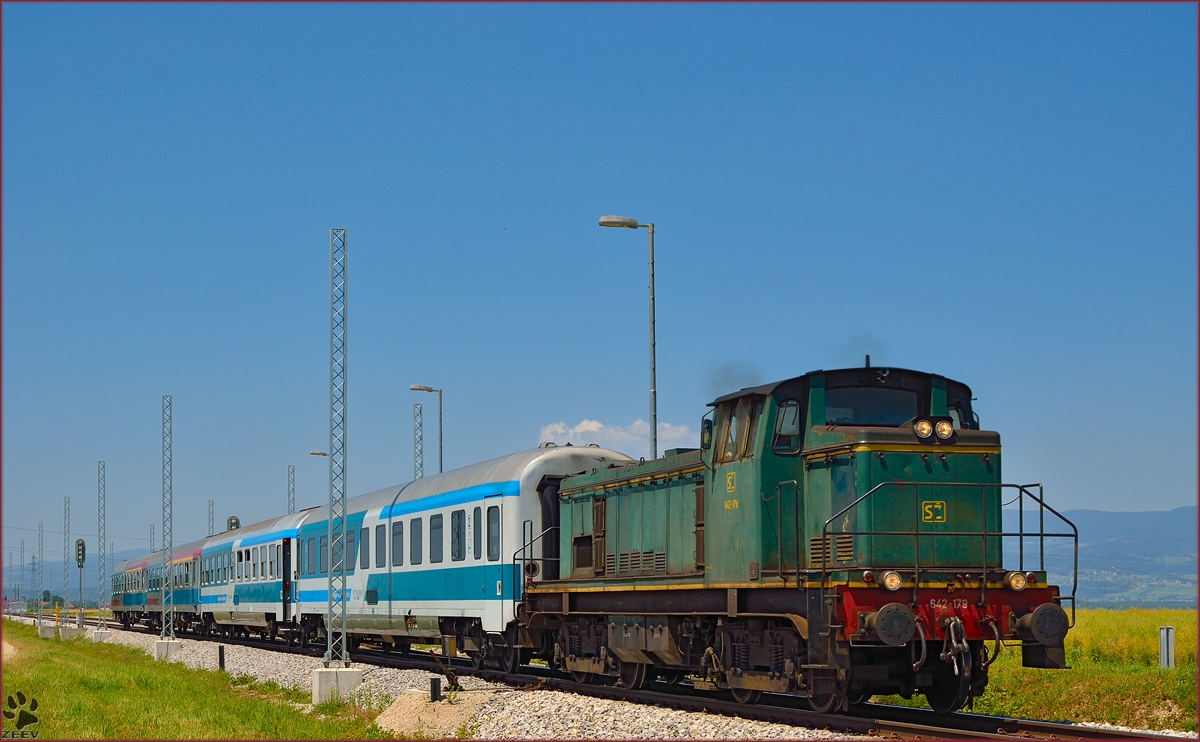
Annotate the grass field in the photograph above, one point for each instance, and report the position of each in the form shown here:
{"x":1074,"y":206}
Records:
{"x":87,"y":690}
{"x":1114,"y":676}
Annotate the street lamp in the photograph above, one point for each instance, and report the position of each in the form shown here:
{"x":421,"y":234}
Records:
{"x":423,"y":388}
{"x":629,"y":223}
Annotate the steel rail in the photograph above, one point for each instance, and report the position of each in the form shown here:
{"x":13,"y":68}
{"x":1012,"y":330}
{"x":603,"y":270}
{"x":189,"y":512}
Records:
{"x":869,"y":719}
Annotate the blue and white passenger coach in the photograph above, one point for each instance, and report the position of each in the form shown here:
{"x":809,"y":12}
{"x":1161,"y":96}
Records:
{"x":441,"y":557}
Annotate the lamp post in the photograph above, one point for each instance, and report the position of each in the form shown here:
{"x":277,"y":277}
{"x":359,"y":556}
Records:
{"x":421,"y":388}
{"x":629,"y":223}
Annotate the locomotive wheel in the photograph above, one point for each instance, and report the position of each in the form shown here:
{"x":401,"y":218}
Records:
{"x":478,"y":659}
{"x":511,"y":659}
{"x":633,"y":675}
{"x":745,"y":695}
{"x":582,"y":677}
{"x":671,"y":677}
{"x":823,"y":703}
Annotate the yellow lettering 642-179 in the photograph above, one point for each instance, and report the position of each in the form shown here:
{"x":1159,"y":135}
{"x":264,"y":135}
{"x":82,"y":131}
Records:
{"x":731,"y":504}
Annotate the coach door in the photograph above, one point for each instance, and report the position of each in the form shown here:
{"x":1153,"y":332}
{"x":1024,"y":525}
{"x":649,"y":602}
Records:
{"x":495,"y":587}
{"x":286,"y":596}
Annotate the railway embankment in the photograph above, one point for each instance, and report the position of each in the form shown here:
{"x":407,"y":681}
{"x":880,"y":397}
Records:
{"x":116,"y":690}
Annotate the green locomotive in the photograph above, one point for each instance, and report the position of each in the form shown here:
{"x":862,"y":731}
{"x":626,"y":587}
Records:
{"x":837,"y":535}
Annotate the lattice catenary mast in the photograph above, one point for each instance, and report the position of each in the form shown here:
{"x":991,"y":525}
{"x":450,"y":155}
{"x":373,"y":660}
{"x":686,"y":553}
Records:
{"x":291,"y":489}
{"x":41,"y":572}
{"x":336,"y":650}
{"x":66,"y":555}
{"x":210,"y":517}
{"x":102,"y":569}
{"x":168,"y":592}
{"x":418,"y":441}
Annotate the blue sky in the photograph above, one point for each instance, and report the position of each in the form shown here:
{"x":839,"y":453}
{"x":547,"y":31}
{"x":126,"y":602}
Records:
{"x":1004,"y":194}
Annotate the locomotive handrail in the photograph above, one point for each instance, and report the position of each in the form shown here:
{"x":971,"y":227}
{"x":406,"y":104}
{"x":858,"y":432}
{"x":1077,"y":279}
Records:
{"x":523,"y":559}
{"x":916,"y":533}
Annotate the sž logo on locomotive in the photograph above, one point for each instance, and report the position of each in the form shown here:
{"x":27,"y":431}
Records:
{"x":933,"y":511}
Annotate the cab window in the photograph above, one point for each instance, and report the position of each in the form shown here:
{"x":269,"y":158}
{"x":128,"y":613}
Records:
{"x":738,"y":428}
{"x":787,"y":428}
{"x":870,"y":405}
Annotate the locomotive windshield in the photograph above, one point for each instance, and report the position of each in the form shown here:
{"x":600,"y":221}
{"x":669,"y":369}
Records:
{"x":870,"y":405}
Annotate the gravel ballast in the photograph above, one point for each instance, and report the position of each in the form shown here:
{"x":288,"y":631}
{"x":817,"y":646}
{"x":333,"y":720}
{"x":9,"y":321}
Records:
{"x":503,"y":712}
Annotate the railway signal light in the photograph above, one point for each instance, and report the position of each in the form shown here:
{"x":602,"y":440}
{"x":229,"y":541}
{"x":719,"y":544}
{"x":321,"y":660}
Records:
{"x":80,"y":552}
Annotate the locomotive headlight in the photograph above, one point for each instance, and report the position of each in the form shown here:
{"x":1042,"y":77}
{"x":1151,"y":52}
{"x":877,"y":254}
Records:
{"x":924,"y":428}
{"x":1015,"y":581}
{"x":891,"y":580}
{"x":944,"y":430}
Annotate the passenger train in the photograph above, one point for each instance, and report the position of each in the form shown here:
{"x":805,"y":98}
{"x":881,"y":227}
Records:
{"x":836,"y":535}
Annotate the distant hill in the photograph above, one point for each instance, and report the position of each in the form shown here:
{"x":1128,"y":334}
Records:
{"x":1129,"y":559}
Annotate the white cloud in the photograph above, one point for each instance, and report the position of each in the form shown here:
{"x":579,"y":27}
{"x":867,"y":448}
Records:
{"x":633,"y":439}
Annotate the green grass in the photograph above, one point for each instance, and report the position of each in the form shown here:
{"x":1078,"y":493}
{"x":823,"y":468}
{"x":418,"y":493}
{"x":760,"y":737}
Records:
{"x":1114,"y":676}
{"x":87,"y":690}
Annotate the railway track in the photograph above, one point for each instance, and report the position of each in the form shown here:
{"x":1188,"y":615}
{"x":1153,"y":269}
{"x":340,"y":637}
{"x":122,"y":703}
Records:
{"x":871,"y":719}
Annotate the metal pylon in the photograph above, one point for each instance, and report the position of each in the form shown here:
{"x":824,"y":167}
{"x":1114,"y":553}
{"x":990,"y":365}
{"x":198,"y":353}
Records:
{"x":336,"y":650}
{"x":418,"y":441}
{"x":168,"y":587}
{"x":291,"y":489}
{"x":151,"y":538}
{"x":21,"y":568}
{"x":41,"y":573}
{"x":102,"y":568}
{"x":210,"y":517}
{"x":66,"y":555}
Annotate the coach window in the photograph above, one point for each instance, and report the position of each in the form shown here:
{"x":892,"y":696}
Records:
{"x":381,"y":545}
{"x":414,"y":541}
{"x":351,"y":550}
{"x":435,"y":538}
{"x":262,"y":563}
{"x":478,"y":550}
{"x":493,"y":536}
{"x":364,"y":548}
{"x":458,"y":535}
{"x":312,"y":556}
{"x":398,"y":543}
{"x":271,"y":562}
{"x":324,"y":554}
{"x":254,"y":560}
{"x":239,"y":565}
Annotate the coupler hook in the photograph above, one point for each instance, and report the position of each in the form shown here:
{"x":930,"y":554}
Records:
{"x":921,"y":633}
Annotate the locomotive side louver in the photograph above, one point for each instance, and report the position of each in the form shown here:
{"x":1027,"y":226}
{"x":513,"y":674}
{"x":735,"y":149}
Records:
{"x":845,"y":547}
{"x":641,"y":562}
{"x":822,"y":549}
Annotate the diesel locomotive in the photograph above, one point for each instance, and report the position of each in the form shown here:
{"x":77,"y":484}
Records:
{"x":836,"y":535}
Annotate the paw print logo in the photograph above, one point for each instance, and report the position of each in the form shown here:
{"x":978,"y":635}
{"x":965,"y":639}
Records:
{"x":15,"y":708}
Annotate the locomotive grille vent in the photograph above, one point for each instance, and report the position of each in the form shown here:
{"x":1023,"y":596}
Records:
{"x":845,"y":547}
{"x":821,"y":548}
{"x":610,"y":564}
{"x":640,"y":562}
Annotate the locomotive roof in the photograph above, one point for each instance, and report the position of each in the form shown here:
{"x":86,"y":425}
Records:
{"x":764,"y":390}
